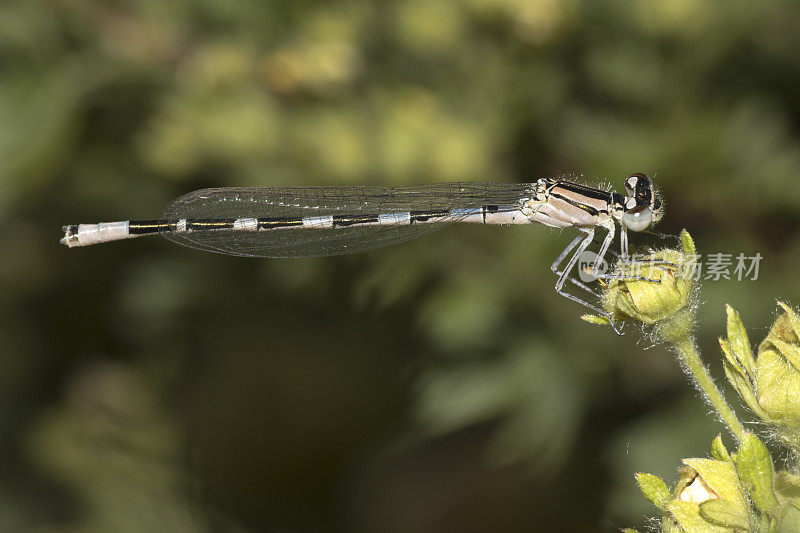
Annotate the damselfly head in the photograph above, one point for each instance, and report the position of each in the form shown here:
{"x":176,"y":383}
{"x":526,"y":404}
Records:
{"x":643,"y":207}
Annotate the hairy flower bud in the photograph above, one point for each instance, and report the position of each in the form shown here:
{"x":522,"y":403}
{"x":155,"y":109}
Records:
{"x":655,"y":290}
{"x":770,"y":381}
{"x":727,"y":493}
{"x":777,"y":374}
{"x":707,"y":497}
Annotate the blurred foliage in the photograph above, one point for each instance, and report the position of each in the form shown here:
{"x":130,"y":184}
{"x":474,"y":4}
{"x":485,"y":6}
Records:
{"x":440,"y":385}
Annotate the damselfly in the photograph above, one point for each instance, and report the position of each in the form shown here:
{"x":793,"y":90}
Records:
{"x":322,"y":221}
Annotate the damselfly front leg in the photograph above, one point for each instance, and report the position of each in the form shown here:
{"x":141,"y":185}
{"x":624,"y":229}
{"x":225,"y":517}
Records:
{"x":584,"y":242}
{"x":560,"y":259}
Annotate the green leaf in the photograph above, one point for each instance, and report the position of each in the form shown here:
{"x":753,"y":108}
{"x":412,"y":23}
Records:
{"x":688,"y":517}
{"x":787,"y":486}
{"x":788,"y":519}
{"x":594,"y":319}
{"x":756,"y":472}
{"x":744,"y":389}
{"x":718,"y":450}
{"x":720,"y":477}
{"x":790,"y":351}
{"x":793,"y":318}
{"x":739,"y":343}
{"x":724,"y":513}
{"x":688,"y":243}
{"x":653,"y":489}
{"x":730,"y":356}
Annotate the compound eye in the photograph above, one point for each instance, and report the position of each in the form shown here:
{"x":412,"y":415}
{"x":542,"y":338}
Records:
{"x":637,"y":184}
{"x":632,"y":182}
{"x":639,"y":220}
{"x":630,"y":185}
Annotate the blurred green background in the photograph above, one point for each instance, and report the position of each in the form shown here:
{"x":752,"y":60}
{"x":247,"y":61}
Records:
{"x":440,"y":385}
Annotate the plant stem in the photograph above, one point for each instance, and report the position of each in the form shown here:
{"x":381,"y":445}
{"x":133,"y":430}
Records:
{"x":687,"y":350}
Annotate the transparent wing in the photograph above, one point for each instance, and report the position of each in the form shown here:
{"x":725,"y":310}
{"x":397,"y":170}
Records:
{"x":299,"y":202}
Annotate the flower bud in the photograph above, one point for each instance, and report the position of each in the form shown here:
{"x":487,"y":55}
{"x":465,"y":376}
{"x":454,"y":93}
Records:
{"x":777,"y":374}
{"x":656,"y":291}
{"x":708,"y":497}
{"x":770,"y":381}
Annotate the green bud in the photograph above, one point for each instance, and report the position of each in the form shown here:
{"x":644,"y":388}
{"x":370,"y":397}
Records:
{"x":709,"y":494}
{"x":739,"y":363}
{"x":769,"y":382}
{"x":655,"y":291}
{"x":713,"y":479}
{"x":708,"y":497}
{"x":738,"y":342}
{"x":719,"y":451}
{"x":777,"y":375}
{"x":653,"y":489}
